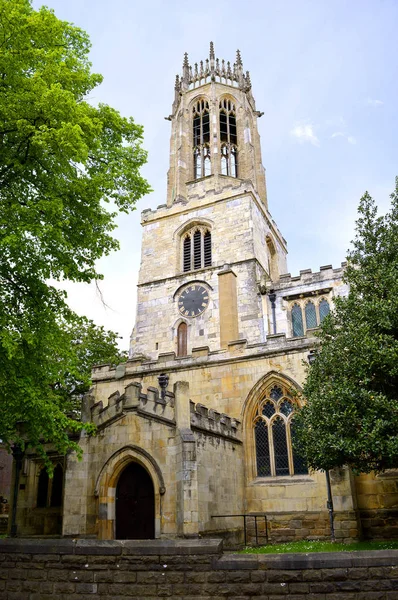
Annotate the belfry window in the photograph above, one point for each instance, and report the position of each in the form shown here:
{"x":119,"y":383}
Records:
{"x":228,"y":138}
{"x":274,"y":434}
{"x":196,"y":249}
{"x":201,"y":139}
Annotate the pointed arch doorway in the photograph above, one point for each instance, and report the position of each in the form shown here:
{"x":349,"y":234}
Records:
{"x":135,"y":504}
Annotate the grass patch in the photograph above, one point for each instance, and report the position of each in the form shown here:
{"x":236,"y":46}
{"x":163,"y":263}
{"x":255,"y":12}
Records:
{"x":319,"y":546}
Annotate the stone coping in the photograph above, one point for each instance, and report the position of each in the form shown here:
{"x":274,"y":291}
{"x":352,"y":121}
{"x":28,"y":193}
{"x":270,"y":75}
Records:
{"x":109,"y":547}
{"x":210,"y":547}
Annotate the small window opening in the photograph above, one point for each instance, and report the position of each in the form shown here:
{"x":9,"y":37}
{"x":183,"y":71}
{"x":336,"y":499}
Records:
{"x":182,"y":339}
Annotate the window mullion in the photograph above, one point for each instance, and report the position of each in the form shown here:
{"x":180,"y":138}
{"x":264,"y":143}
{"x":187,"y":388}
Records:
{"x":289,"y":447}
{"x":202,"y":250}
{"x":192,"y":252}
{"x":271,"y":449}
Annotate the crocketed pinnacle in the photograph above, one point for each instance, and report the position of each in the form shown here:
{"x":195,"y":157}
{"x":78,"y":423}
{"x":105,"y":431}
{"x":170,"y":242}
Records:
{"x":239,"y":59}
{"x":212,"y":55}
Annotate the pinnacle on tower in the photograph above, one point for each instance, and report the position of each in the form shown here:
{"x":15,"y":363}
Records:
{"x":185,"y":63}
{"x":239,"y":59}
{"x":212,"y":55}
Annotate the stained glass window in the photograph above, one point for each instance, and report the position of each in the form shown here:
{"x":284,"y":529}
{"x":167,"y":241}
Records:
{"x":299,"y":464}
{"x":297,"y":321}
{"x":268,"y":409}
{"x":276,"y":393}
{"x":275,"y":455}
{"x":310,"y":315}
{"x":262,"y":449}
{"x":324,"y":309}
{"x":280,"y":447}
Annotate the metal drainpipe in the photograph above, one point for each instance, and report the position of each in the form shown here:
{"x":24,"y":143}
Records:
{"x":272,"y":297}
{"x":329,"y":505}
{"x":18,"y":455}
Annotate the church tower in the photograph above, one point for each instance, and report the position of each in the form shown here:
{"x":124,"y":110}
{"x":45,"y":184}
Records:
{"x":199,"y":422}
{"x":209,"y":250}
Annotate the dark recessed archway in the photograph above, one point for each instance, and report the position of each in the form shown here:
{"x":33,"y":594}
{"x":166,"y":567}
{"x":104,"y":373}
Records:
{"x":135,"y":504}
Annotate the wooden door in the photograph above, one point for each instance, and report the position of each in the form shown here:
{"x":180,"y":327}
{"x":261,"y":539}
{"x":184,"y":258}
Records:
{"x":135,"y":504}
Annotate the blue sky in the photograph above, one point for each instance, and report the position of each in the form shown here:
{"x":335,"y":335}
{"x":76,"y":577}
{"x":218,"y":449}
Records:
{"x":325,"y":75}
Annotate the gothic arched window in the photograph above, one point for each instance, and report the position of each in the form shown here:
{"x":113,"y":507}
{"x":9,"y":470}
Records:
{"x":196,"y":249}
{"x":313,"y":312}
{"x":324,"y":309}
{"x":274,"y":434}
{"x":310,"y":315}
{"x":201,"y":139}
{"x":297,"y":321}
{"x":228,"y":138}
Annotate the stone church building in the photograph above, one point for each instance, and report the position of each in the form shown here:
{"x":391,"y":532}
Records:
{"x":198,"y":424}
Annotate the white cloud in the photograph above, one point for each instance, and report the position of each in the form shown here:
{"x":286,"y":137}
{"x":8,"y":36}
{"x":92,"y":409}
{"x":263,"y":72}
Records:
{"x":305,"y":133}
{"x":373,"y":102}
{"x":350,"y":139}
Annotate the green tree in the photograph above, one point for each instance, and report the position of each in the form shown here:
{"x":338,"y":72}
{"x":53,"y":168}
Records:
{"x":66,"y":169}
{"x":351,"y":411}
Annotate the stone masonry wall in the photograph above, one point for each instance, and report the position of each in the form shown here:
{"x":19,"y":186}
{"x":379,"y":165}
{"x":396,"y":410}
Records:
{"x":70,"y":570}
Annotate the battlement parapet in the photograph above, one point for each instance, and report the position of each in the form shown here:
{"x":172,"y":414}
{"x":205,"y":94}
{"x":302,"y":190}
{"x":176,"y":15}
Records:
{"x":306,"y":277}
{"x":152,"y":404}
{"x":236,"y":350}
{"x":214,"y":422}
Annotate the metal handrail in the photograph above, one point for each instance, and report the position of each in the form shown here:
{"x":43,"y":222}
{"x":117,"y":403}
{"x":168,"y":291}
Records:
{"x":245,"y":516}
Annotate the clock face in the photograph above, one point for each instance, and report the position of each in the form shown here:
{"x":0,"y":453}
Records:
{"x":193,"y":300}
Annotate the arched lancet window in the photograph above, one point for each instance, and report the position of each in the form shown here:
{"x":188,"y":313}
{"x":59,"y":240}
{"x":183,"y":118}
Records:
{"x":310,"y":315}
{"x":273,"y":427}
{"x":182,"y":339}
{"x":187,"y":253}
{"x":324,"y":309}
{"x":228,"y":138}
{"x":57,"y":486}
{"x":201,"y":139}
{"x":262,"y":449}
{"x":196,"y":249}
{"x":224,"y":160}
{"x":42,"y":489}
{"x":297,"y":321}
{"x":273,"y":268}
